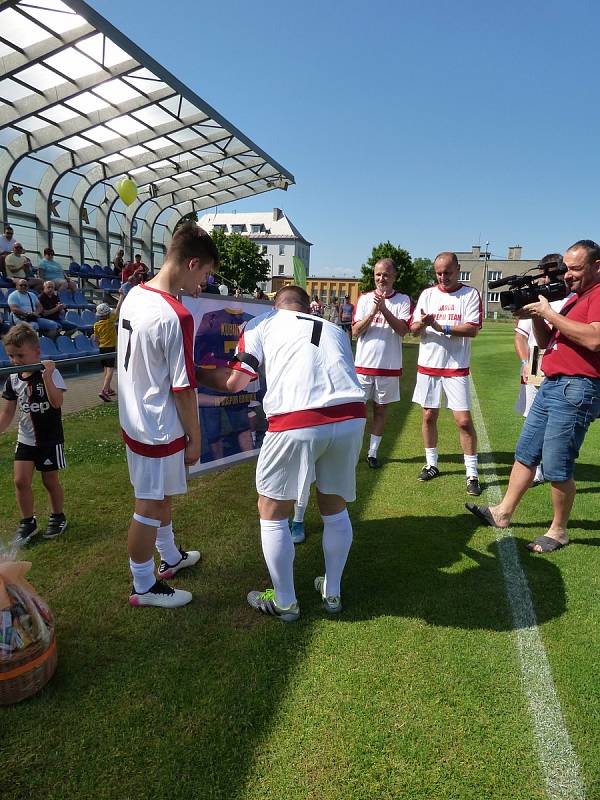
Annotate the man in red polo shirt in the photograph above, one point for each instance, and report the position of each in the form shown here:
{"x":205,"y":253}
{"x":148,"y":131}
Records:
{"x":447,"y":316}
{"x":567,"y":401}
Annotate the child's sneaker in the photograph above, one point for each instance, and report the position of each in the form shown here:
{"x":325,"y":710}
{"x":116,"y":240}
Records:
{"x":27,"y":529}
{"x":105,"y":396}
{"x":160,"y":595}
{"x":188,"y":559}
{"x":57,"y":523}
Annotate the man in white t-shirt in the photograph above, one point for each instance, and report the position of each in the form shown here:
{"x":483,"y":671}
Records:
{"x":447,"y":316}
{"x":525,"y":341}
{"x":381,"y":319}
{"x":158,"y":410}
{"x":316,"y":412}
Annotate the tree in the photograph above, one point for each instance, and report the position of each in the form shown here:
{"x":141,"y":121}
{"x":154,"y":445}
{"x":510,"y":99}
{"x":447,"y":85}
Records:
{"x":240,"y":261}
{"x":413,"y":276}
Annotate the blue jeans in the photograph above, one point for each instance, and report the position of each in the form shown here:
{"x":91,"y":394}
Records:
{"x":557,"y":423}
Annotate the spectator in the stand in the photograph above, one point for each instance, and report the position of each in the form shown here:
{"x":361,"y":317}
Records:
{"x":137,"y":265}
{"x":51,"y":270}
{"x":208,"y":286}
{"x":223,"y":289}
{"x":334,"y":311}
{"x":316,"y":309}
{"x":134,"y":280}
{"x":53,"y":309}
{"x":25,"y":307}
{"x":259,"y":294}
{"x":7,"y":240}
{"x":346,"y":314}
{"x":238,"y":292}
{"x":105,"y":336}
{"x":19,"y":266}
{"x":119,"y":263}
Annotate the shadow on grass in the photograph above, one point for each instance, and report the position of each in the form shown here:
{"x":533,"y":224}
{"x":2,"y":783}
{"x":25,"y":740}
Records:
{"x":408,"y":566}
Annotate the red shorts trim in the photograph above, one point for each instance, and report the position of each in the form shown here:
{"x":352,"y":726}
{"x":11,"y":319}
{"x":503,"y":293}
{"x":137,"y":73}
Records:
{"x":316,"y":416}
{"x":384,"y":373}
{"x":154,"y":450}
{"x":443,"y":373}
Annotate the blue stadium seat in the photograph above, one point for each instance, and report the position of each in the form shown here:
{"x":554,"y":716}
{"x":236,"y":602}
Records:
{"x":81,"y":301}
{"x":74,"y":268}
{"x":86,"y":270}
{"x":65,"y":347}
{"x":74,"y":317}
{"x":6,"y":283}
{"x":84,"y":345}
{"x":4,"y":359}
{"x":88,"y":317}
{"x":3,"y":299}
{"x":48,"y":348}
{"x":108,"y":271}
{"x":110,"y":284}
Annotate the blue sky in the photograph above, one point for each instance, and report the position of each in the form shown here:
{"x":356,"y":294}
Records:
{"x":436,"y":125}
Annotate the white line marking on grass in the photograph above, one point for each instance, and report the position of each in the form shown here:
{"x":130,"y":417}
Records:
{"x":557,"y":757}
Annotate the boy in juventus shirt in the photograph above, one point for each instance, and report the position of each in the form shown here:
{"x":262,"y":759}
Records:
{"x":316,"y":412}
{"x":158,"y":410}
{"x":40,"y":440}
{"x":447,"y":317}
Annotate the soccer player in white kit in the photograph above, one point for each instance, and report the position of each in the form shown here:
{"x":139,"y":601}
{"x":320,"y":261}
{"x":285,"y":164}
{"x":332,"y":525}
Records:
{"x":381,"y":319}
{"x":447,"y":317}
{"x":316,"y":412}
{"x":158,"y":410}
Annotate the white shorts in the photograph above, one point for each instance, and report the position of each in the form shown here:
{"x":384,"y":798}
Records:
{"x":525,"y":399}
{"x":428,"y":391}
{"x":290,"y":461}
{"x":156,"y":478}
{"x":382,"y":389}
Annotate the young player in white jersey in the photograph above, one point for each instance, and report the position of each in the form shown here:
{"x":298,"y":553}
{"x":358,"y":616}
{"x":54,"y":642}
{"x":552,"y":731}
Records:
{"x":381,"y":319}
{"x":525,"y":341}
{"x":447,"y":317}
{"x":158,"y":410}
{"x":316,"y":412}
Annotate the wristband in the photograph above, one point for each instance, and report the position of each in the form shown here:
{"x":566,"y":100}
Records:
{"x":447,"y":330}
{"x":524,"y":361}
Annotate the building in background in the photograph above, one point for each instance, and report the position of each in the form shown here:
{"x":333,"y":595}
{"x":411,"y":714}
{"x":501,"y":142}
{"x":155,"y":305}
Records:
{"x":276,"y":236}
{"x":325,"y":288}
{"x":473,"y":267}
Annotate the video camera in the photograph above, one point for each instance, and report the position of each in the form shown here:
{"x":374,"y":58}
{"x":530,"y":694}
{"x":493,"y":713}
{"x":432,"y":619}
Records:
{"x":525,"y":288}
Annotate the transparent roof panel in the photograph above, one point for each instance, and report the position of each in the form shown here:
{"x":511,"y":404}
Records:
{"x":91,"y":98}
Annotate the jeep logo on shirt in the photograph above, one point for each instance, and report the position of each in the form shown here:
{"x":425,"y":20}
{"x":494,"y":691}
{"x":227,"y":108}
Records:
{"x":35,"y":407}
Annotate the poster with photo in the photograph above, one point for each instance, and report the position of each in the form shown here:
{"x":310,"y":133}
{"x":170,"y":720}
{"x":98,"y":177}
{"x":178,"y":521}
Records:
{"x":232,"y":426}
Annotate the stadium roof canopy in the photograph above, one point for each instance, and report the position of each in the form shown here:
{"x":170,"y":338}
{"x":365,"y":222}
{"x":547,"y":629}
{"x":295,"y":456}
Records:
{"x":81,"y":107}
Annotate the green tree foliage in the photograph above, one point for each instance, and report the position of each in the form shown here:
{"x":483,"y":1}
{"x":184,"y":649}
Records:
{"x":413,"y":276}
{"x":240,"y":261}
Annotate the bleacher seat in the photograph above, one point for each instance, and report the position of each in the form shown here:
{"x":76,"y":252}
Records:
{"x":84,"y":345}
{"x":6,"y":283}
{"x":86,"y":270}
{"x":48,"y":348}
{"x":108,"y":271}
{"x":74,"y":299}
{"x":3,"y":299}
{"x":4,"y":359}
{"x":74,"y":317}
{"x":88,"y":317}
{"x":110,"y":284}
{"x":74,"y":268}
{"x":65,"y":347}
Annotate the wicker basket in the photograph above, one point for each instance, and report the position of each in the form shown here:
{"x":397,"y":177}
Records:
{"x":27,"y":672}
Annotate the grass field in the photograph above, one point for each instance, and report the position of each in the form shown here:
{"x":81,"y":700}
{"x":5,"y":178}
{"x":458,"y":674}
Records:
{"x":414,"y":692}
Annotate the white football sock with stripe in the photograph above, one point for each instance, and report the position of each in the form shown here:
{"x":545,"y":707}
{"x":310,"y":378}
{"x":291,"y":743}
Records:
{"x":279,"y":551}
{"x":337,"y":540}
{"x":165,"y":544}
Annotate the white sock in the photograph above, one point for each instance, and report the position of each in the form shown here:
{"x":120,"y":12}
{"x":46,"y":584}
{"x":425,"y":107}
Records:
{"x":337,"y":540}
{"x":471,"y":466}
{"x":374,"y":443}
{"x":165,"y":544}
{"x":539,"y":473}
{"x":299,"y":512}
{"x":143,"y":575}
{"x":278,"y":550}
{"x":431,"y":456}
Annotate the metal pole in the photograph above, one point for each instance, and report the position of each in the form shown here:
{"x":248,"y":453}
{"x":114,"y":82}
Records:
{"x":485,"y":280}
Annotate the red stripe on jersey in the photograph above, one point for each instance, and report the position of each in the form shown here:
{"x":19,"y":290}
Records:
{"x":444,"y":373}
{"x":310,"y":417}
{"x":391,"y":373}
{"x":187,"y":329}
{"x":238,"y":367}
{"x":154,"y":450}
{"x":181,"y":388}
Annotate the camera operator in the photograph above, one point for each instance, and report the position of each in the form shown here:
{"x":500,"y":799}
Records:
{"x":567,"y":401}
{"x":525,"y":341}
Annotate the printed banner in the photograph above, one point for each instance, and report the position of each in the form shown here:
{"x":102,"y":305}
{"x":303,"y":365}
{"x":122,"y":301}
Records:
{"x":232,"y":426}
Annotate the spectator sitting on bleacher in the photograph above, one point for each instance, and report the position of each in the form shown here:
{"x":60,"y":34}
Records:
{"x":51,"y":270}
{"x":137,"y":265}
{"x":53,"y":309}
{"x":25,"y":307}
{"x":7,"y":240}
{"x":119,"y":263}
{"x":105,"y":336}
{"x":19,"y":266}
{"x":132,"y":281}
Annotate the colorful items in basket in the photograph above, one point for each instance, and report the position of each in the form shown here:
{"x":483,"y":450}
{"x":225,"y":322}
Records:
{"x":27,"y":643}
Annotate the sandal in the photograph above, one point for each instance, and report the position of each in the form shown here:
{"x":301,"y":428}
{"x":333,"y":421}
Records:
{"x":482,"y":513}
{"x":546,"y":543}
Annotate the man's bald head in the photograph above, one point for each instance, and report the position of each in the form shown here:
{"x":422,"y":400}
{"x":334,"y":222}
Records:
{"x":292,"y":298}
{"x":446,"y":258}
